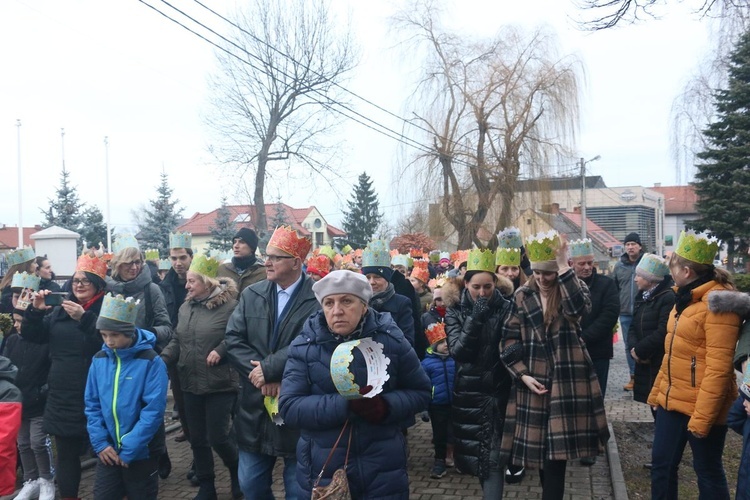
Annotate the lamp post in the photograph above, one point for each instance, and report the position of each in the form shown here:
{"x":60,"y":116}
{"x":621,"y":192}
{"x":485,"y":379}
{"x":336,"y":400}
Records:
{"x":583,"y":193}
{"x":20,"y":200}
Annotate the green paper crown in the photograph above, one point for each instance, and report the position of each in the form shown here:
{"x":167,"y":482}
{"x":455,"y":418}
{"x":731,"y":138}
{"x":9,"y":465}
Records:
{"x":180,"y":240}
{"x":20,"y":255}
{"x":124,"y":241}
{"x":164,"y":265}
{"x":508,"y":257}
{"x":481,"y":260}
{"x":510,"y":237}
{"x":205,"y":265}
{"x":543,"y":246}
{"x":25,"y":280}
{"x":346,"y":249}
{"x":697,"y":248}
{"x":376,"y":255}
{"x":581,"y":248}
{"x":327,"y":251}
{"x":152,"y":254}
{"x":119,"y":309}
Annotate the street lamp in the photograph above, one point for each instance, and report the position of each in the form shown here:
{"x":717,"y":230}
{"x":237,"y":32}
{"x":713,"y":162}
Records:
{"x":583,"y":193}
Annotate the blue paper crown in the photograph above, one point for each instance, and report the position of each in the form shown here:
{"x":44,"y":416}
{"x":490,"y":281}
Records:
{"x":510,"y":237}
{"x":25,"y":280}
{"x":20,"y":255}
{"x":165,"y":265}
{"x":120,"y":309}
{"x":400,"y":260}
{"x":376,"y":255}
{"x":652,"y":266}
{"x":180,"y":240}
{"x":124,"y":241}
{"x":581,"y":248}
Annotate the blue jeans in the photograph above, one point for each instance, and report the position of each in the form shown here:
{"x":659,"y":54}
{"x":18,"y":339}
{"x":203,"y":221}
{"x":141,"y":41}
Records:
{"x":625,"y":322}
{"x":670,"y":436}
{"x":256,"y":471}
{"x":492,"y":486}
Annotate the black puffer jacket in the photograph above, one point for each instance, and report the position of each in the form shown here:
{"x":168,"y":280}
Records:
{"x":32,"y":361}
{"x":482,"y":384}
{"x":647,"y":333}
{"x":598,"y":324}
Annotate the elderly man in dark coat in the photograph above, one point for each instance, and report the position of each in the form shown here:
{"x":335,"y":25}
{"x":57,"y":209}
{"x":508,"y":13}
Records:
{"x":270,"y":314}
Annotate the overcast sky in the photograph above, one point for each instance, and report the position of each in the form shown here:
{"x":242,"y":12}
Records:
{"x":118,"y":69}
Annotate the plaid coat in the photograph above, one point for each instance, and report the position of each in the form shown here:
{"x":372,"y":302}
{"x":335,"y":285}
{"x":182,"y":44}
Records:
{"x":568,"y":422}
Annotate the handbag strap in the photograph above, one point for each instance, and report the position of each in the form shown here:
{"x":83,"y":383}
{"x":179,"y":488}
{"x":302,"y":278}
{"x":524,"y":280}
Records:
{"x":333,"y":449}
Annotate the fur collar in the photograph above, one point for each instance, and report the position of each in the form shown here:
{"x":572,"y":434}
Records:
{"x":226,"y":291}
{"x":729,"y":301}
{"x":452,"y":292}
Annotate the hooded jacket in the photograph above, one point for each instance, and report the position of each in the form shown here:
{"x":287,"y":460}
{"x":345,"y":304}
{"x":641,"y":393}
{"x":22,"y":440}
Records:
{"x":442,"y":372}
{"x":624,"y":276}
{"x":736,"y":302}
{"x":200,"y":329}
{"x":126,"y":396}
{"x":310,"y":402}
{"x":10,"y":423}
{"x":696,"y":376}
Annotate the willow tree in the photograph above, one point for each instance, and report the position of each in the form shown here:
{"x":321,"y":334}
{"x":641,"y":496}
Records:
{"x":492,"y":111}
{"x":279,"y":76}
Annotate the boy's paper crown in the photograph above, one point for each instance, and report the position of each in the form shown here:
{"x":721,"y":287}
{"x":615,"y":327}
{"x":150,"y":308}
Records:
{"x":420,"y":271}
{"x":124,"y":241}
{"x":697,"y":248}
{"x":327,"y":251}
{"x":400,"y":260}
{"x":543,"y":246}
{"x":481,"y":260}
{"x":435,"y":333}
{"x":437,"y":282}
{"x":508,"y":257}
{"x":434,"y":256}
{"x":376,"y":255}
{"x":510,"y":237}
{"x":25,"y":280}
{"x":180,"y":240}
{"x":20,"y":255}
{"x":164,"y":265}
{"x":346,"y":249}
{"x":205,"y":265}
{"x":120,"y":309}
{"x":151,"y":254}
{"x":581,"y":248}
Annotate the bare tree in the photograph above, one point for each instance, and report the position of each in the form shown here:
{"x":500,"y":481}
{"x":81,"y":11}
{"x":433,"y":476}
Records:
{"x":277,"y":81}
{"x":415,"y":221}
{"x":494,"y":110}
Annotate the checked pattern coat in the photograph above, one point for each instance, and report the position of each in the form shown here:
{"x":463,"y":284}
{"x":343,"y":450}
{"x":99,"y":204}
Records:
{"x":568,"y":422}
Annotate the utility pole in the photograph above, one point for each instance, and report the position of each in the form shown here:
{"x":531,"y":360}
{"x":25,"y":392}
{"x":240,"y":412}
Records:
{"x":20,"y":197}
{"x":106,"y":189}
{"x":583,"y":198}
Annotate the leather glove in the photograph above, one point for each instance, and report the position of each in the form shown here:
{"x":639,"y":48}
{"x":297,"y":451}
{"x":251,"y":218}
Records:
{"x":372,"y":410}
{"x":481,"y":309}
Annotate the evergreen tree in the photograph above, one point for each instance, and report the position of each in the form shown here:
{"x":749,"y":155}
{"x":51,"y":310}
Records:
{"x":93,"y":230}
{"x":161,"y":219}
{"x":363,"y":217}
{"x":65,"y":210}
{"x":223,"y":230}
{"x":723,"y":176}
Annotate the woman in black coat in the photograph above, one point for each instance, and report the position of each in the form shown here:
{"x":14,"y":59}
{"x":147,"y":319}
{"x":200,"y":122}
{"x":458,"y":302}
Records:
{"x":653,"y":303}
{"x":386,"y":299}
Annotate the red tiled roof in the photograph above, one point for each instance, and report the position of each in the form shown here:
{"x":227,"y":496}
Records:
{"x":593,"y":230}
{"x":678,"y":199}
{"x":9,"y":236}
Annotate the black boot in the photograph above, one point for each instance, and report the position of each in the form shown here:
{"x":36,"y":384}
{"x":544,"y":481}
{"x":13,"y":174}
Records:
{"x":191,"y":475}
{"x":234,"y":477}
{"x":207,"y":491}
{"x":165,"y":465}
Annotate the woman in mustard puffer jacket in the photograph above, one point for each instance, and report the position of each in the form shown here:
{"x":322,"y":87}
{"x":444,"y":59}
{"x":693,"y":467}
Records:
{"x":696,"y":385}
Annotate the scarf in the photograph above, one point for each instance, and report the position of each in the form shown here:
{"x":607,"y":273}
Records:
{"x":132,"y":287}
{"x":377,"y":300}
{"x":86,"y":306}
{"x":242,"y":263}
{"x":440,"y":310}
{"x":685,"y":293}
{"x":356,"y":334}
{"x":647,"y":293}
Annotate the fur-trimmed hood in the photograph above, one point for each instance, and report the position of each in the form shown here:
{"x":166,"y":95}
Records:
{"x":504,"y":285}
{"x":226,"y":291}
{"x":729,"y":301}
{"x":452,"y":291}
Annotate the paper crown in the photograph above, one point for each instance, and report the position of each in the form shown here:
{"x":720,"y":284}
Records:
{"x":543,"y":246}
{"x":416,"y":253}
{"x":94,"y":265}
{"x":151,"y":254}
{"x":180,"y":240}
{"x":286,"y":239}
{"x":25,"y":280}
{"x":510,"y":237}
{"x":697,"y":248}
{"x":435,"y":333}
{"x":205,"y":265}
{"x":327,"y":251}
{"x":652,"y":267}
{"x":319,"y":264}
{"x":221,"y":255}
{"x":445,"y":256}
{"x":481,"y":260}
{"x":400,"y":260}
{"x":164,"y":265}
{"x":118,"y":308}
{"x":346,"y":249}
{"x":459,"y":256}
{"x":376,"y":255}
{"x":437,"y":282}
{"x":508,"y":257}
{"x":434,"y":256}
{"x":124,"y":241}
{"x":20,"y":255}
{"x":358,"y":252}
{"x":581,"y":248}
{"x":420,"y":271}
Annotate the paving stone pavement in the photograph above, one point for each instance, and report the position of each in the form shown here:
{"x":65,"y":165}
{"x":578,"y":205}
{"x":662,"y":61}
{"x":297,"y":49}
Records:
{"x":581,"y":482}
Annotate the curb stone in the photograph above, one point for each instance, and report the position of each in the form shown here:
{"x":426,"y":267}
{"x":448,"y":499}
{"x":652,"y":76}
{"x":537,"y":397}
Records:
{"x":619,"y":490}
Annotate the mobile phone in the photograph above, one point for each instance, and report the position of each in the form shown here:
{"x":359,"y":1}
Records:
{"x":55,"y":298}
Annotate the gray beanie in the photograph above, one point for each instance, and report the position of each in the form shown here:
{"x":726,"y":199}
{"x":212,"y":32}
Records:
{"x":127,"y":329}
{"x":343,"y":281}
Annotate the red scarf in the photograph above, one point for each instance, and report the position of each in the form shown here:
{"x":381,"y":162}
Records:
{"x":90,"y":303}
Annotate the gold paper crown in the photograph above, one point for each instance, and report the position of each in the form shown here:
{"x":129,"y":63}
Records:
{"x":435,"y":333}
{"x":543,"y":246}
{"x":508,"y":257}
{"x":152,"y":254}
{"x":481,"y":260}
{"x":437,"y":282}
{"x":420,"y":271}
{"x":697,"y":248}
{"x":207,"y":266}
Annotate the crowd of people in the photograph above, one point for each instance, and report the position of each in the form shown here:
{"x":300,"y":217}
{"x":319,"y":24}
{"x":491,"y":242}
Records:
{"x":323,"y":358}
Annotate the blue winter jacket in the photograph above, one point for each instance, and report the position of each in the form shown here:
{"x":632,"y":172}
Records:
{"x":739,"y":421}
{"x":442,"y":372}
{"x":309,"y":401}
{"x":126,"y":396}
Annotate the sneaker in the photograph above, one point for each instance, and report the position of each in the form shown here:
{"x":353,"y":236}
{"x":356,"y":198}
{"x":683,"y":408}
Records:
{"x":588,"y":461}
{"x":629,"y":385}
{"x":46,"y":489}
{"x":29,"y":491}
{"x":438,"y":470}
{"x":514,"y":474}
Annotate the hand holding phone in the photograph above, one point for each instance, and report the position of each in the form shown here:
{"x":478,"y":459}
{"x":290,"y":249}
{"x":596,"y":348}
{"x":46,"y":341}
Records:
{"x":55,"y":298}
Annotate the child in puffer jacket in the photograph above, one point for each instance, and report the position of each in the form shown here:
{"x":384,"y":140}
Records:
{"x":441,"y":369}
{"x":10,"y":422}
{"x":739,"y":421}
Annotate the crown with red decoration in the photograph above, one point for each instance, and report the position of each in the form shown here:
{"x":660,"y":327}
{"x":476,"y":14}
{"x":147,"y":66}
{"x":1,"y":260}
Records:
{"x":94,"y":265}
{"x":435,"y":333}
{"x":286,"y":239}
{"x":420,"y":271}
{"x":318,"y":264}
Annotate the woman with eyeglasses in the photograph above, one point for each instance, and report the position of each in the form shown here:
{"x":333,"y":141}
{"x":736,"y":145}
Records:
{"x":70,"y":330}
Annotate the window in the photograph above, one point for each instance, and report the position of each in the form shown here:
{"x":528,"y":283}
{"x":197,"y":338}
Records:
{"x":318,"y":239}
{"x":318,"y":223}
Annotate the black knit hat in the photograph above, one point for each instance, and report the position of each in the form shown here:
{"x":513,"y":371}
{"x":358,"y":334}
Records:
{"x":634,"y":237}
{"x":248,"y":236}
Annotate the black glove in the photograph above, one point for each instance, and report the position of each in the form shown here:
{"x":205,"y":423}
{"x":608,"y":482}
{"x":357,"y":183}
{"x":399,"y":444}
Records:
{"x":481,"y":309}
{"x":372,"y":410}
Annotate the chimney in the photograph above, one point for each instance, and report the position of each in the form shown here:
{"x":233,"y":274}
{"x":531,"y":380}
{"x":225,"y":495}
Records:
{"x":554,"y":208}
{"x":657,"y":184}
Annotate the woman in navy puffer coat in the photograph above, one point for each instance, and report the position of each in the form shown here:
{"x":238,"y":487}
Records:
{"x":310,"y":402}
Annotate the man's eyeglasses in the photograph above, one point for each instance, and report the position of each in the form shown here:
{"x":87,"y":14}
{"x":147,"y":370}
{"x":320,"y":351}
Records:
{"x":82,"y":282}
{"x":136,"y":263}
{"x":277,"y":258}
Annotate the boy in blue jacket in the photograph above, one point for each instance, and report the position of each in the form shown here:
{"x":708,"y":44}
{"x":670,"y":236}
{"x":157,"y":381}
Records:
{"x":441,"y":369}
{"x":739,"y":421}
{"x":126,"y":396}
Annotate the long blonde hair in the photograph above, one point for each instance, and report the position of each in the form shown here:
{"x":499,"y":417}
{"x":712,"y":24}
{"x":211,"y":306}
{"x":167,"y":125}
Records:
{"x":720,"y":276}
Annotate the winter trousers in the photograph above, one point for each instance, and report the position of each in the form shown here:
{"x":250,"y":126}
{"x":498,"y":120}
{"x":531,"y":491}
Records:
{"x":209,"y":417}
{"x":440,"y":418}
{"x":552,"y":477}
{"x":69,"y":451}
{"x":35,"y":450}
{"x":139,"y":480}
